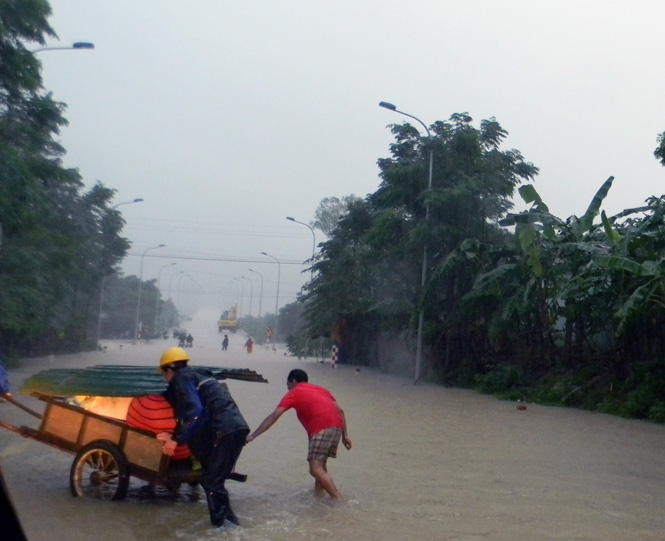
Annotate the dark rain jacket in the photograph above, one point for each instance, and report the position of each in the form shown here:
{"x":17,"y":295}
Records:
{"x":204,"y":409}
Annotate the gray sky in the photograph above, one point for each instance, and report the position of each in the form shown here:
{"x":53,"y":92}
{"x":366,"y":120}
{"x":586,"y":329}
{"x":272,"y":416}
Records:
{"x":226,"y":117}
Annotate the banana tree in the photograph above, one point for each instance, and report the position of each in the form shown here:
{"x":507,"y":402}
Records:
{"x":638,"y":262}
{"x":546,"y":290}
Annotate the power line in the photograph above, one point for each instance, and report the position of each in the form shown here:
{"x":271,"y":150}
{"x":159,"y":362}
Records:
{"x":210,"y":258}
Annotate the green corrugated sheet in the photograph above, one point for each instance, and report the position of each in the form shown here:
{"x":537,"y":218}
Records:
{"x":111,"y":380}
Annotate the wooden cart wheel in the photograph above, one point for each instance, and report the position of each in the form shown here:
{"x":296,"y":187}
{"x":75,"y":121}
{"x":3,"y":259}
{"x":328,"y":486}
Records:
{"x":100,"y":470}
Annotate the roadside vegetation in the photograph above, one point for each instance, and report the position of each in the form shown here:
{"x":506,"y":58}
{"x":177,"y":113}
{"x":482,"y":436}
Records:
{"x":526,"y":305}
{"x":60,"y":243}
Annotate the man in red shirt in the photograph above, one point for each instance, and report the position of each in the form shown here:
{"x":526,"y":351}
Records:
{"x":322,"y":418}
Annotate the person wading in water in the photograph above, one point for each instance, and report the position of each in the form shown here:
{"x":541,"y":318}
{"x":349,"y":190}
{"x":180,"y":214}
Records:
{"x":322,"y":418}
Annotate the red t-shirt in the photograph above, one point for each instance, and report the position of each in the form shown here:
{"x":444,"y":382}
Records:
{"x":315,"y":407}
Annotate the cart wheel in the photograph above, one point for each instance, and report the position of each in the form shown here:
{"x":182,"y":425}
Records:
{"x":100,"y":470}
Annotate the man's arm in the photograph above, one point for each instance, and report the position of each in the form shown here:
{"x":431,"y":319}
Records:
{"x":345,"y":437}
{"x":266,"y":424}
{"x":189,"y":411}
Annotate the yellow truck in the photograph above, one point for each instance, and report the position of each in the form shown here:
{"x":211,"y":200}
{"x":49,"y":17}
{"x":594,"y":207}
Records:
{"x":228,"y":321}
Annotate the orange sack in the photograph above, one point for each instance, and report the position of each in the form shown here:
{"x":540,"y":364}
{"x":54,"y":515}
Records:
{"x":153,"y":413}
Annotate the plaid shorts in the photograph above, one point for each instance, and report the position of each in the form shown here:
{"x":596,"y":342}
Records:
{"x":323,"y":445}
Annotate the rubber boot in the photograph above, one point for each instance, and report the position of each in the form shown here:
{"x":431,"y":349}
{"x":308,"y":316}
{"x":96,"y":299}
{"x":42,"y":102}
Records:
{"x":217,"y":506}
{"x":230,"y":515}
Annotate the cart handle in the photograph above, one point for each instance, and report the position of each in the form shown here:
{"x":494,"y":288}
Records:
{"x":10,"y":398}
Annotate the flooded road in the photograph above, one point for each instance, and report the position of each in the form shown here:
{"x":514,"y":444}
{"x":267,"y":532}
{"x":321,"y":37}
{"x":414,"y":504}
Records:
{"x":427,"y":463}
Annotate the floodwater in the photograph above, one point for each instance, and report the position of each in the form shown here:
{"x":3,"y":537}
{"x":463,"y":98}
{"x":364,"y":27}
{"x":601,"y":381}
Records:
{"x":427,"y":463}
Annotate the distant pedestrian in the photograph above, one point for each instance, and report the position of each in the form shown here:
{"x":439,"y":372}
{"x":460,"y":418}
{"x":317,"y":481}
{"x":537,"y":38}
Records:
{"x":322,"y":418}
{"x":190,"y":340}
{"x":249,"y":345}
{"x":225,"y":342}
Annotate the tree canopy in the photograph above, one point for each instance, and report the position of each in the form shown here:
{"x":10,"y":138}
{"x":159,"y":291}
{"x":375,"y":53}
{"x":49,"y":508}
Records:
{"x":58,"y":240}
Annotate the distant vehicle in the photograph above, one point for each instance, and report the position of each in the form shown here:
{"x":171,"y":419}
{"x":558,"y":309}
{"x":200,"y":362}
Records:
{"x":228,"y":321}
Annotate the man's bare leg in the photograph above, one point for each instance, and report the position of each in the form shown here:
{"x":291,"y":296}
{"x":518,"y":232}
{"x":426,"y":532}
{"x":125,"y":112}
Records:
{"x":323,"y":482}
{"x":319,"y":491}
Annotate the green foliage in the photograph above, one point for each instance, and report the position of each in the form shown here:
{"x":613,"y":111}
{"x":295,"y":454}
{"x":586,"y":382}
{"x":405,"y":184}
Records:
{"x":560,"y":312}
{"x":659,"y":153}
{"x":119,"y":308}
{"x":644,"y":392}
{"x":330,"y":211}
{"x":503,"y":379}
{"x":57,"y":241}
{"x":369,"y":270}
{"x":640,"y":396}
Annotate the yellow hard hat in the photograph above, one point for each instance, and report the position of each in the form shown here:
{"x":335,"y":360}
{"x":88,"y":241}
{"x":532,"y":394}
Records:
{"x":173,"y":355}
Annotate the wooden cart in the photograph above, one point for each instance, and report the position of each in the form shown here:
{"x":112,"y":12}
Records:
{"x":107,"y":451}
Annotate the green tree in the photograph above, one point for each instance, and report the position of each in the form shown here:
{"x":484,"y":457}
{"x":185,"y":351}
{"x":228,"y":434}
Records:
{"x":57,"y":241}
{"x":473,"y":183}
{"x":330,"y":211}
{"x":369,"y":271}
{"x":659,"y":153}
{"x":546,"y":298}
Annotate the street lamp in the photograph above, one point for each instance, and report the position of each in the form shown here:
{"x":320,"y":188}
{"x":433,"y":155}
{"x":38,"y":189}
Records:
{"x":242,"y":295}
{"x":187,"y":294}
{"x":251,"y":294}
{"x":261,"y":291}
{"x":311,"y":269}
{"x":159,"y":277}
{"x":179,"y":299}
{"x":101,"y":293}
{"x":76,"y":45}
{"x":138,"y":300}
{"x":279,"y":272}
{"x":423,"y":277}
{"x":170,"y":279}
{"x":313,"y":241}
{"x":233,"y":295}
{"x":138,"y":200}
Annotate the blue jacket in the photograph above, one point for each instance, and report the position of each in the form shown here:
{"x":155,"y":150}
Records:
{"x":203,"y":408}
{"x":4,"y":380}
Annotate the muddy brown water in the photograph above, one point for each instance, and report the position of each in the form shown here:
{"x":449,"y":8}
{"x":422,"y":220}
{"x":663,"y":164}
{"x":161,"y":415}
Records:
{"x":427,"y":463}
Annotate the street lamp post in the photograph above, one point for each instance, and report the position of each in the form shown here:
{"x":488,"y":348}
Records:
{"x":170,"y":279}
{"x":138,"y":300}
{"x":171,"y":298}
{"x":179,"y":299}
{"x":159,"y":277}
{"x":251,"y":293}
{"x":279,"y":272}
{"x":75,"y":46}
{"x":233,"y":295}
{"x":313,"y":241}
{"x":311,"y":269}
{"x":242,"y":295}
{"x":101,"y":293}
{"x":423,"y":277}
{"x":261,"y":290}
{"x":187,"y":294}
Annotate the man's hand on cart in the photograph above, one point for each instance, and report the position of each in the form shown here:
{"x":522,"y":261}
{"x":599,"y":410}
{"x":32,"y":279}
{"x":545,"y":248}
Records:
{"x":169,"y":445}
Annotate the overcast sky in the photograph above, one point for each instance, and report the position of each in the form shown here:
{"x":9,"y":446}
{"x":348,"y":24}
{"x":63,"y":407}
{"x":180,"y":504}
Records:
{"x":228,"y":116}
